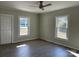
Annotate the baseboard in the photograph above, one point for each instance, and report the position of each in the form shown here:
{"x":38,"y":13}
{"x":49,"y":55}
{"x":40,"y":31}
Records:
{"x":25,"y":40}
{"x":69,"y":47}
{"x":20,"y":41}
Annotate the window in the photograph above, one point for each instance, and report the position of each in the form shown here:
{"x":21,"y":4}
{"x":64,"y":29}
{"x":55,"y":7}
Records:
{"x":23,"y":25}
{"x":62,"y":27}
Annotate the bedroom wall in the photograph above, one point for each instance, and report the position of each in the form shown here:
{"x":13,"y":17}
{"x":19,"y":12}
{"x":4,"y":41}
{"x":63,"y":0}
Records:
{"x":43,"y":26}
{"x":33,"y":24}
{"x":47,"y":27}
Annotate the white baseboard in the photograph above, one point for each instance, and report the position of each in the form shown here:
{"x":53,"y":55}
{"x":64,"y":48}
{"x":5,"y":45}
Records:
{"x":62,"y":44}
{"x":24,"y":40}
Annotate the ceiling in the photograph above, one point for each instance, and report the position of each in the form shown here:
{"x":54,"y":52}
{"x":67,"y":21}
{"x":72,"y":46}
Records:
{"x":32,"y":6}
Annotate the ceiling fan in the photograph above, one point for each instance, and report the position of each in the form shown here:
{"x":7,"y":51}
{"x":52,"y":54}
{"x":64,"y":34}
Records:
{"x":41,"y":6}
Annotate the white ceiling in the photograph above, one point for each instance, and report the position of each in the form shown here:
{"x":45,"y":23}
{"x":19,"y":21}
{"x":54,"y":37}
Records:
{"x":32,"y":6}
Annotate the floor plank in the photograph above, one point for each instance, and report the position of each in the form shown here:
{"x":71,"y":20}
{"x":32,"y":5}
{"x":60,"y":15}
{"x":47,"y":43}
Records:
{"x":34,"y":48}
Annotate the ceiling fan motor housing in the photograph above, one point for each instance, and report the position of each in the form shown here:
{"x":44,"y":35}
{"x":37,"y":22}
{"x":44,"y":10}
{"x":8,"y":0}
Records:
{"x":41,"y":4}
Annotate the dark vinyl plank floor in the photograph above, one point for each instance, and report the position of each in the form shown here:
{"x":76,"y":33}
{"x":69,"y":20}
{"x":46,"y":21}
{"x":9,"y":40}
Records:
{"x":34,"y":48}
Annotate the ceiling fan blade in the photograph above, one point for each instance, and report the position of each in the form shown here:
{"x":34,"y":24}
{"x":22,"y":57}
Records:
{"x":47,"y":5}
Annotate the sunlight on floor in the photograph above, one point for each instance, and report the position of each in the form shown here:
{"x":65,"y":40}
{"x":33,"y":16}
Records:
{"x":76,"y":54}
{"x":21,"y":45}
{"x":23,"y":50}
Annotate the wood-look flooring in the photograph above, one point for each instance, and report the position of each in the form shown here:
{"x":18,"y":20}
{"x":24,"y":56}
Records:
{"x":34,"y":48}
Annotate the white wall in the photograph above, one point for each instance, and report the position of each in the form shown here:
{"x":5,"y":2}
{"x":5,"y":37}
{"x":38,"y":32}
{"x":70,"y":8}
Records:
{"x":47,"y":27}
{"x":33,"y":24}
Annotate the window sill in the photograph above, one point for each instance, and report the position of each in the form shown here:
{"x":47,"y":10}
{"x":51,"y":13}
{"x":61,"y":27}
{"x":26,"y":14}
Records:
{"x":61,"y":39}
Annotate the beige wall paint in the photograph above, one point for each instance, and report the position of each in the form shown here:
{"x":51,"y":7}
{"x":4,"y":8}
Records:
{"x":47,"y":27}
{"x":33,"y":24}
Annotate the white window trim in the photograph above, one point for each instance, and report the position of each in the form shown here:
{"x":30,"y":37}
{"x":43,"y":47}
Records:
{"x":67,"y":28}
{"x":28,"y":26}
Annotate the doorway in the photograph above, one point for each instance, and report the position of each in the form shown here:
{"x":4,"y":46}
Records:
{"x":6,"y":28}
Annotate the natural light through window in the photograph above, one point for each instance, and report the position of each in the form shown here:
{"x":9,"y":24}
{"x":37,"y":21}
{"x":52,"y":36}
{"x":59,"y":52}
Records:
{"x":62,"y":27}
{"x":23,"y":26}
{"x":23,"y":45}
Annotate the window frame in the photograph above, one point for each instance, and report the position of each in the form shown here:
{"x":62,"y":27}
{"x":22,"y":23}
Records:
{"x":28,"y":25}
{"x":68,"y":18}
